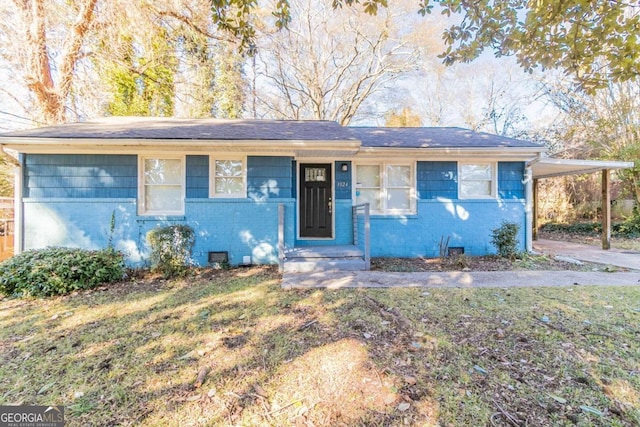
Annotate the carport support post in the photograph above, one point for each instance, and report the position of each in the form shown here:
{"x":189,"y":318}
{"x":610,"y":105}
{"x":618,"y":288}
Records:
{"x":606,"y":210}
{"x":528,"y":209}
{"x":535,"y":209}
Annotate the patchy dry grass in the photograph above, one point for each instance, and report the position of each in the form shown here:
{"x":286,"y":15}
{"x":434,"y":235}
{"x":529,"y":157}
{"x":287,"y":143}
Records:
{"x":130,"y":355}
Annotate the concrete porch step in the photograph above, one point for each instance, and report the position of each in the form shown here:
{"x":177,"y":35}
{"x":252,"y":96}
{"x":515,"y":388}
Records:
{"x":323,"y":265}
{"x":319,"y":252}
{"x":308,"y":259}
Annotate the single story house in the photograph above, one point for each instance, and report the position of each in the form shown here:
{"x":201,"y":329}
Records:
{"x":254,"y":189}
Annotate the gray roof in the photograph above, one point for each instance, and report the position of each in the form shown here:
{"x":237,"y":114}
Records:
{"x":434,"y":137}
{"x":150,"y":128}
{"x":191,"y":129}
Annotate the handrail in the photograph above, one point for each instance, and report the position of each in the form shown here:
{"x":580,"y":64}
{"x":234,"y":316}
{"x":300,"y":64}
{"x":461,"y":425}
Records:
{"x":281,"y":237}
{"x":364,"y":210}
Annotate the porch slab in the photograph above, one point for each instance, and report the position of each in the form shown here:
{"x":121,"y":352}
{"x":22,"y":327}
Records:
{"x":309,"y":259}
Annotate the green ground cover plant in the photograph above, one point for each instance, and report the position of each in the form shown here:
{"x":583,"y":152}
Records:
{"x":57,"y":271}
{"x":226,"y":348}
{"x":629,"y":228}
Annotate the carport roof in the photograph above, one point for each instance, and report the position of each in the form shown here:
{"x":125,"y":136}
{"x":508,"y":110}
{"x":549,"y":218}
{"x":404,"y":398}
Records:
{"x":549,"y":167}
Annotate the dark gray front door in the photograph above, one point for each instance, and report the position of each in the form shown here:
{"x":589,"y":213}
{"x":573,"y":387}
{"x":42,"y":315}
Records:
{"x":315,"y":203}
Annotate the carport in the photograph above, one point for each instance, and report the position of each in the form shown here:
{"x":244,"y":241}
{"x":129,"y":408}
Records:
{"x":549,"y":167}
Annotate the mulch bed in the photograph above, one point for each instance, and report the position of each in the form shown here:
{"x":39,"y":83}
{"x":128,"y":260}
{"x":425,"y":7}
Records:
{"x":475,"y":263}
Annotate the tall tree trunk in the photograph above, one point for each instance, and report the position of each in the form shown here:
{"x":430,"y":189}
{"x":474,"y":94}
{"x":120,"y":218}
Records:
{"x":635,"y":177}
{"x":51,"y":95}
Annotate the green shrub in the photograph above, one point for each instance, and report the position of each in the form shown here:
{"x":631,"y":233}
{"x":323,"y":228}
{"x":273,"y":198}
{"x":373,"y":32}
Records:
{"x":505,"y":239}
{"x":584,"y":228}
{"x":630,"y":227}
{"x":171,"y":249}
{"x":58,"y":271}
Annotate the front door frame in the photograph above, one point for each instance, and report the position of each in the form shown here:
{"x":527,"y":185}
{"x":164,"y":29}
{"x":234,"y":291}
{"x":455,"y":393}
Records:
{"x":332,"y":165}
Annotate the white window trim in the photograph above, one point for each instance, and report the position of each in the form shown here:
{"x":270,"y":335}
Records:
{"x":494,"y":180}
{"x":212,"y":176}
{"x":384,"y":186}
{"x":142,"y":208}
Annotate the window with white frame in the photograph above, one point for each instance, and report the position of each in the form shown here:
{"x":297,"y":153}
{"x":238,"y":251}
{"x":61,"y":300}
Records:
{"x":228,"y":177}
{"x":161,"y":186}
{"x":388,"y":187}
{"x":477,"y":180}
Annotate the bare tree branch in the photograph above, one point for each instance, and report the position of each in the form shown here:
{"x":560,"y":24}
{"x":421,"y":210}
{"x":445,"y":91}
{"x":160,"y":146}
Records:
{"x":328,"y":63}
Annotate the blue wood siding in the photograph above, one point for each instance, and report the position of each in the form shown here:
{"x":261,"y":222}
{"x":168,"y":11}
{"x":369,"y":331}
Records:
{"x":343,"y":181}
{"x":197,"y":177}
{"x":294,"y":177}
{"x":437,"y":179}
{"x":511,"y":180}
{"x":269,"y":177}
{"x":80,"y":176}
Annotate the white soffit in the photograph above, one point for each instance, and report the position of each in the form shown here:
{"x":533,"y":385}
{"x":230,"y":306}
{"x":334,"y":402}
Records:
{"x":548,"y":167}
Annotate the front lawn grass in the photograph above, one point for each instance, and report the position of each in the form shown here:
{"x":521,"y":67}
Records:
{"x":129,"y":354}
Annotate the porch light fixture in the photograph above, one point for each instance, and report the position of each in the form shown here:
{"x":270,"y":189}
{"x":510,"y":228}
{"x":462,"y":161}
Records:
{"x":344,"y":167}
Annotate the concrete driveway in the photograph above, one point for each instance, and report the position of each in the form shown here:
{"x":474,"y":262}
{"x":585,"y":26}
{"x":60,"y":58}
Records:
{"x":618,"y":257}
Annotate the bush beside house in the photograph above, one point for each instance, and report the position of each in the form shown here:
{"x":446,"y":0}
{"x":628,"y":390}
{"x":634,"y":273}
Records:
{"x":58,"y":271}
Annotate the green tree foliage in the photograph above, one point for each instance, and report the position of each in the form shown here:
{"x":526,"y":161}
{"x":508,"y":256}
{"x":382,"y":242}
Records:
{"x":594,"y":41}
{"x":48,"y":44}
{"x":228,"y":81}
{"x":142,"y":82}
{"x":604,"y":124}
{"x":194,"y":85}
{"x":164,"y":66}
{"x":577,"y":36}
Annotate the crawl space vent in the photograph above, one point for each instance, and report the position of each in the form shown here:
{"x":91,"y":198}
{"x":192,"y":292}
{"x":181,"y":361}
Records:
{"x":218,"y":257}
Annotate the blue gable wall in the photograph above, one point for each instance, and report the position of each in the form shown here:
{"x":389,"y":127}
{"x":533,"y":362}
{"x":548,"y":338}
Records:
{"x":80,"y":176}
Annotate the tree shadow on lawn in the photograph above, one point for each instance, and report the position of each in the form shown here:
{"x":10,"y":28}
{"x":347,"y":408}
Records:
{"x":131,"y":359}
{"x":130,"y":354}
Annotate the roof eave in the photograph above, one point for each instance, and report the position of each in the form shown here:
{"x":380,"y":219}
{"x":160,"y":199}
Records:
{"x":521,"y":153}
{"x":81,"y":145}
{"x":550,"y":168}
